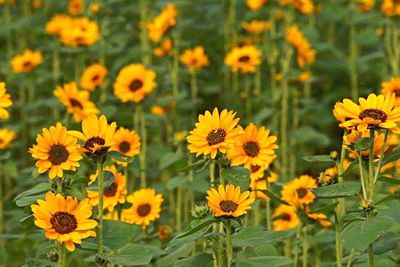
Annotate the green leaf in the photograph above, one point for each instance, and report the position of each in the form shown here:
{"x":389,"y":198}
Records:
{"x":131,"y":254}
{"x":198,"y":163}
{"x":197,"y":228}
{"x":392,"y":156}
{"x":359,"y":234}
{"x":274,"y":197}
{"x":347,"y":189}
{"x":169,"y":159}
{"x":32,"y":195}
{"x":255,"y":235}
{"x":200,"y":260}
{"x":173,"y":256}
{"x":318,"y":158}
{"x":108,"y":180}
{"x":177,"y":181}
{"x":349,"y":169}
{"x":118,"y":156}
{"x":265,"y":261}
{"x":117,"y":234}
{"x":363,"y":144}
{"x":389,"y":180}
{"x":238,"y":176}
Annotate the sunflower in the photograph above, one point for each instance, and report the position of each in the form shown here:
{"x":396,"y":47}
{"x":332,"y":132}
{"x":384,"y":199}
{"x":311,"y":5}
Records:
{"x":366,"y":5}
{"x":194,"y":59}
{"x":214,"y":132}
{"x":165,"y":48}
{"x":256,"y":188}
{"x":256,"y":26}
{"x":305,"y":53}
{"x":26,"y":61}
{"x":164,"y":232}
{"x":253,"y":147}
{"x":256,"y":171}
{"x":96,"y":133}
{"x":57,"y":24}
{"x":297,"y":192}
{"x":64,"y":219}
{"x":285,"y":218}
{"x":390,"y":8}
{"x":146,"y":207}
{"x":353,"y":136}
{"x":5,"y":102}
{"x":127,"y":142}
{"x":392,"y":87}
{"x":80,"y":32}
{"x":93,"y":76}
{"x":244,"y":59}
{"x":134,"y":82}
{"x":56,"y":151}
{"x":228,"y":201}
{"x":306,"y":7}
{"x":76,"y":7}
{"x":255,"y":4}
{"x":6,"y":138}
{"x":162,"y":23}
{"x":304,"y":76}
{"x":375,"y":111}
{"x":94,"y":8}
{"x":114,"y":194}
{"x":320,"y":218}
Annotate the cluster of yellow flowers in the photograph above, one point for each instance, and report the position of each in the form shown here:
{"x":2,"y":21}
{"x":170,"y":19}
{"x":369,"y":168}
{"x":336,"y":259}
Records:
{"x":73,"y":31}
{"x":159,"y":25}
{"x":26,"y":61}
{"x":6,"y":135}
{"x":391,"y":8}
{"x":305,"y":7}
{"x":305,"y":53}
{"x":57,"y":150}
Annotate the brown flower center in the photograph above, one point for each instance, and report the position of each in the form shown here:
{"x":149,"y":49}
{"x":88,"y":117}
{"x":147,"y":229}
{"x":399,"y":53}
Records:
{"x":75,"y":103}
{"x":143,"y":210}
{"x":27,"y":64}
{"x":135,"y":85}
{"x":58,"y":154}
{"x":89,"y":144}
{"x":228,"y":205}
{"x":251,"y":148}
{"x":95,"y":78}
{"x":63,"y":222}
{"x":111,"y":190}
{"x":124,"y":146}
{"x":301,"y":192}
{"x":286,"y":217}
{"x":216,"y":136}
{"x":254,"y":168}
{"x":373,"y":113}
{"x":244,"y":59}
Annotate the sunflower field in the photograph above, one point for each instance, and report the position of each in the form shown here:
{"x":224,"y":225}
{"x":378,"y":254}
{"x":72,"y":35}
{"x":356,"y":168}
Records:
{"x":200,"y":133}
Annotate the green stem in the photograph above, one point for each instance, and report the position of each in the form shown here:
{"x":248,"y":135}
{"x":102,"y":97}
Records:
{"x":143,"y":153}
{"x":2,"y":241}
{"x":353,"y":51}
{"x":229,"y":250}
{"x":61,"y":255}
{"x":362,"y":178}
{"x":371,"y":175}
{"x":179,"y":209}
{"x":268,"y":213}
{"x":256,"y":213}
{"x":7,"y":23}
{"x":175,"y":66}
{"x":305,"y":246}
{"x":247,"y":94}
{"x":144,"y":41}
{"x":295,"y":124}
{"x":257,"y":82}
{"x":378,"y":168}
{"x":296,"y":249}
{"x":193,"y":87}
{"x":100,"y":207}
{"x":350,"y":259}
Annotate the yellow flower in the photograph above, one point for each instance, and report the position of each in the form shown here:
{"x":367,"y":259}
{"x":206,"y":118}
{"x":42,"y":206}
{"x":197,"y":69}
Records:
{"x":112,"y":195}
{"x":304,"y":76}
{"x":253,"y":147}
{"x":96,"y":134}
{"x":375,"y":111}
{"x":305,"y":7}
{"x":5,"y":102}
{"x":146,"y":207}
{"x":134,"y":82}
{"x":228,"y":201}
{"x":26,"y":61}
{"x":392,"y":87}
{"x":58,"y":24}
{"x":366,"y":5}
{"x":285,"y":218}
{"x":94,"y":8}
{"x":305,"y":53}
{"x":320,"y":218}
{"x":256,"y":26}
{"x":164,"y":232}
{"x":6,"y":138}
{"x":297,"y":192}
{"x":244,"y":59}
{"x":353,"y":136}
{"x":93,"y":76}
{"x":77,"y":102}
{"x":158,"y":26}
{"x":162,"y":110}
{"x":180,"y":136}
{"x":256,"y":188}
{"x":390,"y":8}
{"x":66,"y":220}
{"x":81,"y":32}
{"x":76,"y":7}
{"x":127,"y":142}
{"x":36,"y":4}
{"x":214,"y":133}
{"x":165,"y":48}
{"x":255,"y":4}
{"x":194,"y":59}
{"x":56,"y":151}
{"x":256,"y":171}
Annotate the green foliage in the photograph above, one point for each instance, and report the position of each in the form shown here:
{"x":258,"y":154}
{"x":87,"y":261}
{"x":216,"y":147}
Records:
{"x":346,"y":189}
